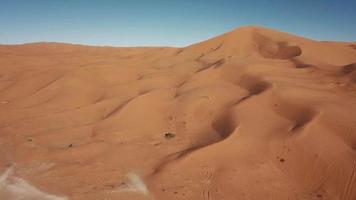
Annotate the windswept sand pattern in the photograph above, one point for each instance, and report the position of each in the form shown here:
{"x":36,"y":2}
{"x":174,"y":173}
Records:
{"x":350,"y":185}
{"x":207,"y":194}
{"x":251,"y":114}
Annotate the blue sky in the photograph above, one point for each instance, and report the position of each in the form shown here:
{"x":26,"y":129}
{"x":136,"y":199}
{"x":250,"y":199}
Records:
{"x":168,"y":22}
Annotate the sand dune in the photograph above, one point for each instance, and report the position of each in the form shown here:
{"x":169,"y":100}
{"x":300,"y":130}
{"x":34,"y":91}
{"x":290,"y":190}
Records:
{"x":252,"y":114}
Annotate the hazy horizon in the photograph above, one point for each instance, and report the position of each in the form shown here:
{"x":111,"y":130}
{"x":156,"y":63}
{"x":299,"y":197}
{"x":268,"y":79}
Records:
{"x":174,"y":23}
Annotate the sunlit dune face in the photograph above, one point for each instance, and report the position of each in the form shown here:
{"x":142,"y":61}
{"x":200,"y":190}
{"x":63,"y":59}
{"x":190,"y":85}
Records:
{"x":252,"y":114}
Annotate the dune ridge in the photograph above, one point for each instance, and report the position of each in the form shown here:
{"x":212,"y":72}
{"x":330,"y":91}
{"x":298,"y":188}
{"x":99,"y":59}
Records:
{"x":253,"y":114}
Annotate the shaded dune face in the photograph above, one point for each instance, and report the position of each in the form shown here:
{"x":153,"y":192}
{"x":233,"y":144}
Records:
{"x":251,"y":114}
{"x":350,"y":71}
{"x":275,"y":50}
{"x":253,"y":85}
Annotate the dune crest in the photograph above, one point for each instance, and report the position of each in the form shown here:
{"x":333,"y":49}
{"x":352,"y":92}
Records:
{"x":253,"y":114}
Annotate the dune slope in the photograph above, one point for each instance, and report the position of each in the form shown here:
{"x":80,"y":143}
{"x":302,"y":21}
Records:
{"x":252,"y":114}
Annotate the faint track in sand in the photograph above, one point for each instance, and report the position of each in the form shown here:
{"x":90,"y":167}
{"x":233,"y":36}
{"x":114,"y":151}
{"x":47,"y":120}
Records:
{"x":206,"y":191}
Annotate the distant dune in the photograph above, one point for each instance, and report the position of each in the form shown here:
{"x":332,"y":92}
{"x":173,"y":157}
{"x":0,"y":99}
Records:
{"x":252,"y":114}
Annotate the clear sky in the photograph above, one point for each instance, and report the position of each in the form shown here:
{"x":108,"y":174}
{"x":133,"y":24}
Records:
{"x":168,"y":22}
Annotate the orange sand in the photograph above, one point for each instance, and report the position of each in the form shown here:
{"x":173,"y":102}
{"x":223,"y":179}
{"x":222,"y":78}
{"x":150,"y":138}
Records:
{"x":252,"y":114}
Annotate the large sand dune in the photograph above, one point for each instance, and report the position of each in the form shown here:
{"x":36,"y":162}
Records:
{"x":252,"y":114}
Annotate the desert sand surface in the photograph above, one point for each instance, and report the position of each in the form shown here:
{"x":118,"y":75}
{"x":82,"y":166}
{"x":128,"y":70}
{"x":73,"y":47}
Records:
{"x":252,"y":114}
